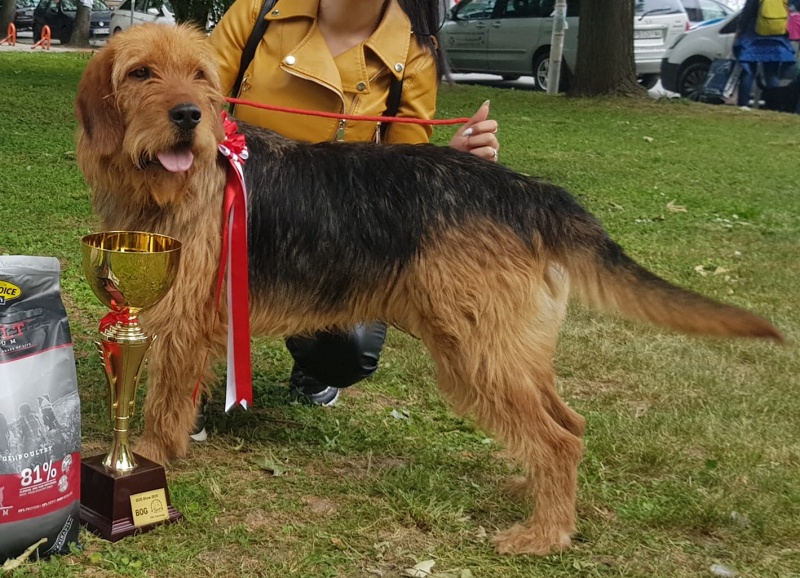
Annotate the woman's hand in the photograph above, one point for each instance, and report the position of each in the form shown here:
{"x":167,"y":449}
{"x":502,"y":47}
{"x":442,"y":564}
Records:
{"x":478,"y":136}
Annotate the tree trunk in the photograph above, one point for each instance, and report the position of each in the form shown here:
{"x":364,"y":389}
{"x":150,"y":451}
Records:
{"x":80,"y":30}
{"x":195,"y":11}
{"x":605,"y":50}
{"x":7,"y":13}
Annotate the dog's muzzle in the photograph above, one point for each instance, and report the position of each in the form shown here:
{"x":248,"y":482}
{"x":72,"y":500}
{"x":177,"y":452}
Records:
{"x":185,"y":117}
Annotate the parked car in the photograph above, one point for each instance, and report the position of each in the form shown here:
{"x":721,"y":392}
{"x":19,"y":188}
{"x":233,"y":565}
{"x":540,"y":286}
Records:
{"x":159,"y":11}
{"x":511,"y":38}
{"x":59,"y":15}
{"x":656,"y":25}
{"x":702,"y":10}
{"x":23,"y":20}
{"x":686,"y":63}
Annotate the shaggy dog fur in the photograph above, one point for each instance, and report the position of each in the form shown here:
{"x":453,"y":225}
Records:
{"x":474,"y":259}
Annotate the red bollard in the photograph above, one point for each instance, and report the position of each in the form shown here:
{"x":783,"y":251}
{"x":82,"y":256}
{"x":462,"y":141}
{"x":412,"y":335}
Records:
{"x":11,"y":39}
{"x":44,"y":42}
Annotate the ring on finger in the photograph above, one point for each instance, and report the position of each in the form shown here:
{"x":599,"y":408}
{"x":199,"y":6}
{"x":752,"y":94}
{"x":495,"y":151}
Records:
{"x":494,"y":153}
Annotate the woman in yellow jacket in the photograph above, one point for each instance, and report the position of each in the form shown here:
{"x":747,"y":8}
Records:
{"x":341,"y":56}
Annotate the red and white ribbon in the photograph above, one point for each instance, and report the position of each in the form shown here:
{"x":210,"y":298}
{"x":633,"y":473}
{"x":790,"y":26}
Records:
{"x":239,"y":385}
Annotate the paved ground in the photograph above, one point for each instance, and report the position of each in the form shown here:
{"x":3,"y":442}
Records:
{"x":25,"y":42}
{"x":526,"y":83}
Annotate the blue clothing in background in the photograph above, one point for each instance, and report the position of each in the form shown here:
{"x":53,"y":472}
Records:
{"x":773,"y":55}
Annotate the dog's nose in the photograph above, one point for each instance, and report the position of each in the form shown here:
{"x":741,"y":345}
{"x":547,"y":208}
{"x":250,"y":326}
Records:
{"x":185,"y":116}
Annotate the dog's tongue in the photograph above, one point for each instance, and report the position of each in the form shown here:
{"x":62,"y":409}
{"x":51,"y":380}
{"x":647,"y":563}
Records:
{"x":176,"y":161}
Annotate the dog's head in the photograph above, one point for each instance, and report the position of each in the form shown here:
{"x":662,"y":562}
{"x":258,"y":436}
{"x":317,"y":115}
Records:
{"x":148,"y":110}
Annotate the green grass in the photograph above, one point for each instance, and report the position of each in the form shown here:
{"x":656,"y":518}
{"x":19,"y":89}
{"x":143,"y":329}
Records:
{"x":693,"y":445}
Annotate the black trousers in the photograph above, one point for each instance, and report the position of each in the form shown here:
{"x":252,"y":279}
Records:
{"x":339,"y":358}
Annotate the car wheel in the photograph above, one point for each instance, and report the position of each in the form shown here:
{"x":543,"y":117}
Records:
{"x":692,"y":79}
{"x":510,"y":76}
{"x":541,"y":68}
{"x":648,"y":81}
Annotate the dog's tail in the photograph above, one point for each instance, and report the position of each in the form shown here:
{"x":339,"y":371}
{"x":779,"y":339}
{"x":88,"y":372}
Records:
{"x":604,"y":277}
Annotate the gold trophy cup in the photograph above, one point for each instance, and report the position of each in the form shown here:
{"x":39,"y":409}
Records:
{"x":123,"y":493}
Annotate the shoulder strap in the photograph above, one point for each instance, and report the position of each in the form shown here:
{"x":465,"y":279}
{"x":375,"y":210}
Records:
{"x":249,"y":51}
{"x":392,"y":102}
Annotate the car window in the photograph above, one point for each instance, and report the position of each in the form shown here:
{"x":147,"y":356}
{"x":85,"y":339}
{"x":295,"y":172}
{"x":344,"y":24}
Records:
{"x":475,"y":9}
{"x":160,"y":5}
{"x":712,"y":9}
{"x":519,"y":9}
{"x":693,"y":10}
{"x":657,"y":7}
{"x":546,"y":7}
{"x":730,"y":27}
{"x":72,"y":6}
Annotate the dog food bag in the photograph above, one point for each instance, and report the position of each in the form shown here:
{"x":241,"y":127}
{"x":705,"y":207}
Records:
{"x":40,"y":422}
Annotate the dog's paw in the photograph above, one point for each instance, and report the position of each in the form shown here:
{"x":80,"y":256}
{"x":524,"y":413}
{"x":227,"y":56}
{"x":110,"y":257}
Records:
{"x":520,"y":539}
{"x":154,"y":452}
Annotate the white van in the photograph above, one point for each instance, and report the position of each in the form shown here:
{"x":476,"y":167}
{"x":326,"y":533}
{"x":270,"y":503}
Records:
{"x":685,"y":65}
{"x":511,"y":38}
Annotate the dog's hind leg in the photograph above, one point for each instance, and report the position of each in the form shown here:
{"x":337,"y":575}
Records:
{"x":493,"y":343}
{"x":509,"y":403}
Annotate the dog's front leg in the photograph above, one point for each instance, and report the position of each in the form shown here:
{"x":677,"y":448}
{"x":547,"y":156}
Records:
{"x":176,"y":366}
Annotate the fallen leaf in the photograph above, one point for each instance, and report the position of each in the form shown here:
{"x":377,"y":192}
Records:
{"x":648,"y":139}
{"x":723,"y":571}
{"x":673,"y":208}
{"x":700,"y":269}
{"x":12,"y":563}
{"x":720,"y":270}
{"x":421,"y":570}
{"x":271,"y":466}
{"x":402,"y":414}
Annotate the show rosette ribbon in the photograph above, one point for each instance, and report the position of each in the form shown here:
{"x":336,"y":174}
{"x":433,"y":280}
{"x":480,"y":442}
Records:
{"x":114,"y":318}
{"x":239,"y":384}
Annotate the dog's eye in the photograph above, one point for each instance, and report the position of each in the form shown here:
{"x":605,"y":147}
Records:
{"x":142,"y":73}
{"x":199,"y":75}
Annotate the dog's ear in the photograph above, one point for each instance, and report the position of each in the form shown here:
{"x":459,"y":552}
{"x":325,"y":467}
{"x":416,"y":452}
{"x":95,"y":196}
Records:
{"x":96,"y":106}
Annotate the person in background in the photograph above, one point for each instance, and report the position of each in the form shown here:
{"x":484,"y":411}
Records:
{"x":767,"y":59}
{"x":793,"y":25}
{"x":341,"y":56}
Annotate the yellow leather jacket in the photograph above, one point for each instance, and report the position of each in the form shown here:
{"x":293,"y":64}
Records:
{"x":293,"y":67}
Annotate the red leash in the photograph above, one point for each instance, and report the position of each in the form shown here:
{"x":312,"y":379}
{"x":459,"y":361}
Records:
{"x":340,"y":116}
{"x":233,"y":258}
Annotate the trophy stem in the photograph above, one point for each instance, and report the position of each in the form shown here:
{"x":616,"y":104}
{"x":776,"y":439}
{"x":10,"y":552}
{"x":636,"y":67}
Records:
{"x":124,"y":347}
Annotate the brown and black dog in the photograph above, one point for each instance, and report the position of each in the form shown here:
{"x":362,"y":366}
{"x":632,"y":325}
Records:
{"x":476,"y":260}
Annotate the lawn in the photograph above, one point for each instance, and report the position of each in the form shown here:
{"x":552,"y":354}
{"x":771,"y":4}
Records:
{"x":692,"y":454}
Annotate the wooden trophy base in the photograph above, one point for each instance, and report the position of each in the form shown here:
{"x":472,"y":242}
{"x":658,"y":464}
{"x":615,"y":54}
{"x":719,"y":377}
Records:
{"x":106,"y":497}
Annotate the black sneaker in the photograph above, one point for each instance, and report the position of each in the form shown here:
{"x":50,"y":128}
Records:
{"x":200,"y":434}
{"x":307,"y":390}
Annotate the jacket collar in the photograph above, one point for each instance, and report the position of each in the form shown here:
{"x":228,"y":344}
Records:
{"x":390,"y":42}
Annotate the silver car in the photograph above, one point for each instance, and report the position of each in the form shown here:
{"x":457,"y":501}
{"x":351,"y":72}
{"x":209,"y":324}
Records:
{"x":511,"y":38}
